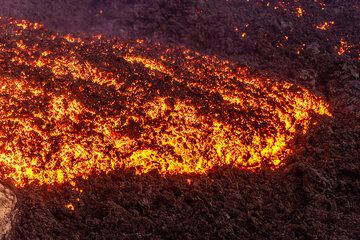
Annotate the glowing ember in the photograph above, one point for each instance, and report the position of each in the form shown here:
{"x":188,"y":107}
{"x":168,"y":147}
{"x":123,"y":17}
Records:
{"x":325,"y":25}
{"x":74,"y":107}
{"x":299,"y":11}
{"x":300,"y":49}
{"x":70,"y":206}
{"x":344,"y":47}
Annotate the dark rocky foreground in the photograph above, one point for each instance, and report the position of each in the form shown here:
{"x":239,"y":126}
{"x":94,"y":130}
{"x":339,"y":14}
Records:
{"x":315,"y":196}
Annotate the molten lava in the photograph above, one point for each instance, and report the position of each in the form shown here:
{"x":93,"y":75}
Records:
{"x":74,"y":107}
{"x":325,"y":25}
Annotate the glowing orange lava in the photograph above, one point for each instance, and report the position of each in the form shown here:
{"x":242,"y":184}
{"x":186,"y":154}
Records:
{"x":299,"y":11}
{"x":344,"y":47}
{"x":325,"y":25}
{"x":73,"y":107}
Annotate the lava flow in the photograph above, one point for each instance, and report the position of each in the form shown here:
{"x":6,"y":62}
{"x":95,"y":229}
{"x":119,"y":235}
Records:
{"x":73,"y":107}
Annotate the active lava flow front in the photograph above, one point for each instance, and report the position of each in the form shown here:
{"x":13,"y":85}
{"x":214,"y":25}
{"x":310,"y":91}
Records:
{"x":72,"y":107}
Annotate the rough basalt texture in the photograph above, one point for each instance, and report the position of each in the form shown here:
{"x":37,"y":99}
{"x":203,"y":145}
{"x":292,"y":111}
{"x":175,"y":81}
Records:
{"x":8,"y":211}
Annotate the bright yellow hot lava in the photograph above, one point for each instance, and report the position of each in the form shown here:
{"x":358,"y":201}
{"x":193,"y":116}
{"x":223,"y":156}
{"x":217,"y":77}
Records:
{"x":72,"y":107}
{"x":325,"y":25}
{"x":299,"y":11}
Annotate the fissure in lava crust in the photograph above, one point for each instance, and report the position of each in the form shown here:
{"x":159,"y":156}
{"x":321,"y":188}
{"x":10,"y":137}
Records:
{"x":73,"y":107}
